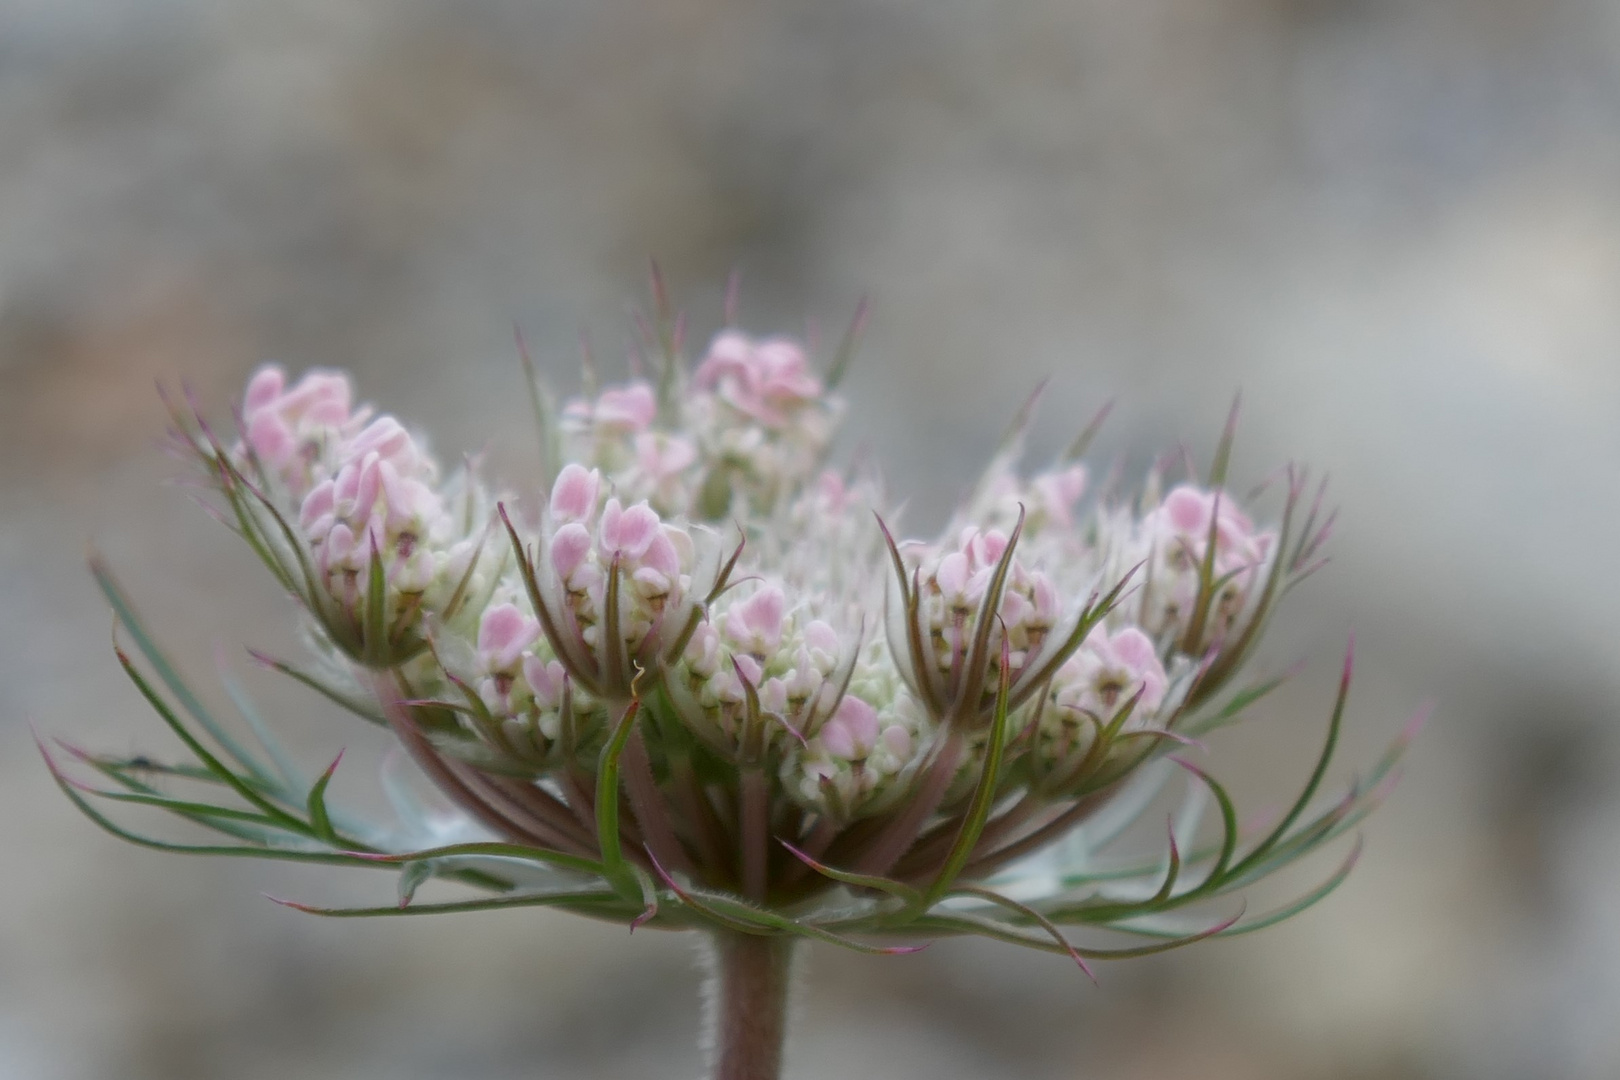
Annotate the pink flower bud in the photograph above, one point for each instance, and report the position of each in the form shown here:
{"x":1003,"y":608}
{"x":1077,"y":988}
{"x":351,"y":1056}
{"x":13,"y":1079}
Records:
{"x":952,"y":576}
{"x":1015,"y":609}
{"x":263,"y":388}
{"x":898,"y":741}
{"x":773,"y":696}
{"x":569,"y":549}
{"x":784,"y":375}
{"x":339,"y":547}
{"x":986,"y":548}
{"x":573,"y":496}
{"x":859,"y":717}
{"x":852,"y":731}
{"x":837,"y":740}
{"x":765,"y":380}
{"x":401,"y":500}
{"x":662,"y":456}
{"x":356,"y":489}
{"x":388,"y":439}
{"x":315,"y":515}
{"x":1133,"y":649}
{"x":749,"y":668}
{"x":1188,"y":510}
{"x":320,"y":397}
{"x":503,"y":635}
{"x":755,"y":625}
{"x":271,"y":439}
{"x":821,"y":638}
{"x":1046,"y":600}
{"x":545,"y":678}
{"x":1180,"y":530}
{"x":1109,"y":669}
{"x":662,"y":554}
{"x":288,"y":430}
{"x":628,"y":533}
{"x":1057,"y":492}
{"x":630,"y":408}
{"x":729,"y":355}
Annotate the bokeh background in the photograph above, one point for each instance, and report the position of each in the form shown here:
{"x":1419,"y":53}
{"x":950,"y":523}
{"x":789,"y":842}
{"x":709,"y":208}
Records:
{"x":1394,"y":224}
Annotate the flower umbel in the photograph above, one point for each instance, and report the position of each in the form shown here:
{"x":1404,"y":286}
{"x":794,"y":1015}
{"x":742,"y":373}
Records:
{"x":701,"y":683}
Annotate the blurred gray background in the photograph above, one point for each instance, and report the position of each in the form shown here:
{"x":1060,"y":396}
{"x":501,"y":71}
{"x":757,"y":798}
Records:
{"x":1394,"y":225}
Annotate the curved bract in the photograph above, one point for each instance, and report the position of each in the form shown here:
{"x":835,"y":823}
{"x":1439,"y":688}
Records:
{"x":706,"y":683}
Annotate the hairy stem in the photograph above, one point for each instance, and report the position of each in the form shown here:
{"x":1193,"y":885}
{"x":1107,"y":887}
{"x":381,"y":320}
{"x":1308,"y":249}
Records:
{"x":748,"y":1005}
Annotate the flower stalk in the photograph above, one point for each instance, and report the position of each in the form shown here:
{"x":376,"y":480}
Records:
{"x":749,"y":1004}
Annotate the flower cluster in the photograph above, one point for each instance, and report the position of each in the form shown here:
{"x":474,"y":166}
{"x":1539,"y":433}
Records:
{"x":615,"y":433}
{"x":745,"y":430}
{"x":702,"y":683}
{"x":523,"y":696}
{"x":297,"y":433}
{"x":753,"y":675}
{"x":955,"y":586}
{"x":1196,"y":536}
{"x":1114,"y":680}
{"x":859,"y":761}
{"x":375,"y":540}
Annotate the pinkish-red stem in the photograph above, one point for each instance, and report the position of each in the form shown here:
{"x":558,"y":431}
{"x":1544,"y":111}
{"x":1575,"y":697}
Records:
{"x":748,"y":1005}
{"x":754,"y":815}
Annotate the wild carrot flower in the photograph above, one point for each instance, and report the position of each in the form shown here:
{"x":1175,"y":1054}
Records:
{"x":698,"y":682}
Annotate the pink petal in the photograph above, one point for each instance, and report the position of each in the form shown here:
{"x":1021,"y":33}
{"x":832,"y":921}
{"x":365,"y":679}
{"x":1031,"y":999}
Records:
{"x":783,"y":372}
{"x":317,"y":504}
{"x":837,"y":740}
{"x":750,"y":668}
{"x":821,"y":637}
{"x":386,"y":437}
{"x":544,"y":678}
{"x":400,"y":500}
{"x":633,"y":407}
{"x":1188,"y":509}
{"x":263,"y":388}
{"x":271,"y":438}
{"x":661,"y":556}
{"x":503,"y":635}
{"x":661,"y":456}
{"x":339,"y":545}
{"x":368,"y":482}
{"x":859,"y":718}
{"x":322,"y":397}
{"x":573,"y":496}
{"x":952,"y":574}
{"x":728,"y":354}
{"x":1046,"y":598}
{"x":898,"y":740}
{"x":569,"y":548}
{"x":773,"y":696}
{"x":628,"y":533}
{"x":756,"y":623}
{"x":988,"y":547}
{"x":1134,"y":649}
